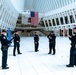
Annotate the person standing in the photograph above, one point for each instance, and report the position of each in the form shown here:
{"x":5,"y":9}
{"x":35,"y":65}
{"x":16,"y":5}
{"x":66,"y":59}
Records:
{"x":72,"y":60}
{"x":36,"y":41}
{"x":4,"y":49}
{"x":16,"y":43}
{"x":52,"y":42}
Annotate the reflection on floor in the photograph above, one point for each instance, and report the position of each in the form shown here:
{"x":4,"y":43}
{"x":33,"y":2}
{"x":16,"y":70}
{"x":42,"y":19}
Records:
{"x":40,"y":63}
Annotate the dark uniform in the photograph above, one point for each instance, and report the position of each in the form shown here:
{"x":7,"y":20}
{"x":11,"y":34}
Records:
{"x":52,"y":42}
{"x":75,"y":60}
{"x":16,"y":44}
{"x":72,"y":51}
{"x":36,"y":42}
{"x":4,"y":48}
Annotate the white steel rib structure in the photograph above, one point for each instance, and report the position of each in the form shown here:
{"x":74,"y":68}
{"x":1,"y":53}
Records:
{"x":57,"y":15}
{"x":54,"y":15}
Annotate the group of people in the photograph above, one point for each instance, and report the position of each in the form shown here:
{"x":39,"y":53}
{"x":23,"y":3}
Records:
{"x":5,"y":43}
{"x":52,"y":44}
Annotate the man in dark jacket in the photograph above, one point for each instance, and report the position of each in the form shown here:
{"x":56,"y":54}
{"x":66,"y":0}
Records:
{"x":16,"y":43}
{"x":4,"y":48}
{"x":72,"y":49}
{"x":52,"y":40}
{"x":36,"y":41}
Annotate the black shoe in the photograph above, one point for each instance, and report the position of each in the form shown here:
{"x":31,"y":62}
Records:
{"x":14,"y":55}
{"x":19,"y":53}
{"x":49,"y":53}
{"x":37,"y":50}
{"x":69,"y":66}
{"x":53,"y":54}
{"x":75,"y":64}
{"x":5,"y":67}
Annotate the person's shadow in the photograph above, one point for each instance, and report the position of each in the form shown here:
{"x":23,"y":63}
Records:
{"x":31,"y":51}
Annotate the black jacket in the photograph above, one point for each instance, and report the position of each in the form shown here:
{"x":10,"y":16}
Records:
{"x":4,"y":41}
{"x":36,"y":38}
{"x":52,"y":38}
{"x":16,"y":38}
{"x":73,"y":40}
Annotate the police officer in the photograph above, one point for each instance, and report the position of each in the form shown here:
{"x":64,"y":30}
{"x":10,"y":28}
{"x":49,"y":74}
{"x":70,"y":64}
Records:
{"x":4,"y":48}
{"x":36,"y":41}
{"x":52,"y":39}
{"x":16,"y":43}
{"x":72,"y":49}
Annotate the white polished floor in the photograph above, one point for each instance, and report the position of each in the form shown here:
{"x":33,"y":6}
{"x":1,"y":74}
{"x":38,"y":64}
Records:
{"x":40,"y":63}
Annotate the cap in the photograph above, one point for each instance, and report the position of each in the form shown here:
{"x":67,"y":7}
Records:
{"x":16,"y":30}
{"x":35,"y":32}
{"x":75,"y":28}
{"x":4,"y":31}
{"x":51,"y":31}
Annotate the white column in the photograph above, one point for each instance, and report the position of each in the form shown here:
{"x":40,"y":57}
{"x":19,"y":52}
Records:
{"x":55,"y":20}
{"x":1,"y":11}
{"x":67,"y":31}
{"x":4,"y":15}
{"x":63,"y":32}
{"x":73,"y":15}
{"x":2,"y":18}
{"x":59,"y":18}
{"x":51,"y":21}
{"x":48,"y":24}
{"x":68,"y":16}
{"x":63,"y":18}
{"x":45,"y":24}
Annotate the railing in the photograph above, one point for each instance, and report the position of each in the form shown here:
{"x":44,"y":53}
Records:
{"x":30,"y":27}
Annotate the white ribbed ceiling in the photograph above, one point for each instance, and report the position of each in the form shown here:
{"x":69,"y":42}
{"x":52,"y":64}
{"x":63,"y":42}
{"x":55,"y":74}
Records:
{"x":19,"y":5}
{"x":41,"y":6}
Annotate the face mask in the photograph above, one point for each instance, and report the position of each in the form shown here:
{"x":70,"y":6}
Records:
{"x":5,"y":34}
